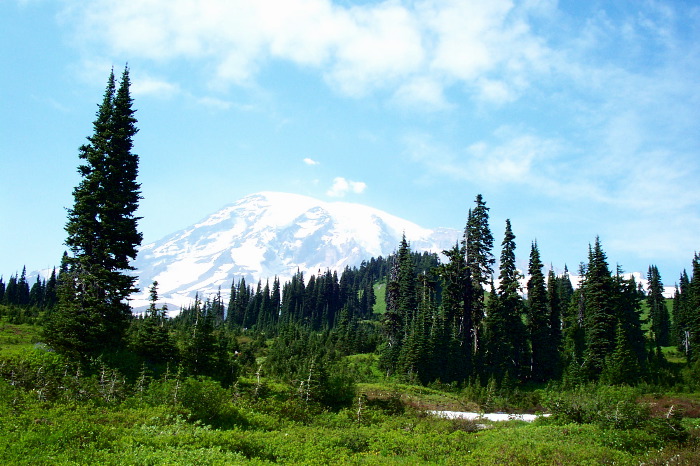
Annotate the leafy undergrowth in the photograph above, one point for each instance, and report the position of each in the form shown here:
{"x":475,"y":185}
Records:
{"x":53,"y":413}
{"x":196,"y":421}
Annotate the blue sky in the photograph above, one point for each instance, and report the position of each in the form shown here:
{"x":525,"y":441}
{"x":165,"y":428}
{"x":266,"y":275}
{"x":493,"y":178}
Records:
{"x":573,"y":119}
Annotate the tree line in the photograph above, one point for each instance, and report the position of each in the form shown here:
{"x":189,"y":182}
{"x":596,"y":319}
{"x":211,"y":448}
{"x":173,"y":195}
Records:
{"x":445,"y":326}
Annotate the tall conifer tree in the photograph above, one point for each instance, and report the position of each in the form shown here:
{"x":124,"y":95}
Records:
{"x":692,"y":311}
{"x":600,"y":321}
{"x":628,"y":310}
{"x":477,"y":246}
{"x":554,"y":306}
{"x":658,"y":312}
{"x":507,"y":339}
{"x":453,"y":332}
{"x":401,"y":305}
{"x":93,"y":314}
{"x":681,"y":316}
{"x":544,"y":351}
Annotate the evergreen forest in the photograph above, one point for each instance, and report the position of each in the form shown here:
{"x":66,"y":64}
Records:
{"x":342,"y":367}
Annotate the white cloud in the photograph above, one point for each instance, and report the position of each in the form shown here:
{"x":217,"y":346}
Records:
{"x":341,"y":187}
{"x":214,"y":103}
{"x":144,"y":85}
{"x":508,"y":157}
{"x":380,"y":44}
{"x":309,"y":161}
{"x":415,"y":49}
{"x":422,"y":92}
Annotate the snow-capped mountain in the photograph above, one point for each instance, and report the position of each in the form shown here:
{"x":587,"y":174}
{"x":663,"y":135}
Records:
{"x":272,"y":234}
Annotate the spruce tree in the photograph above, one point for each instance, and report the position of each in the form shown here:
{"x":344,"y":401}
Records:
{"x":152,"y":340}
{"x":401,"y":305}
{"x":554,"y":306}
{"x":507,"y":354}
{"x":11,"y":296}
{"x":477,"y":245}
{"x":600,"y":320}
{"x":627,"y":303}
{"x":692,"y":312}
{"x":93,"y":312}
{"x":544,"y":352}
{"x":50,"y":297}
{"x":23,"y":288}
{"x":416,"y":358}
{"x":408,"y":299}
{"x":622,"y":365}
{"x":453,"y":333}
{"x":681,"y":316}
{"x":199,"y":344}
{"x":658,"y":312}
{"x":37,"y":292}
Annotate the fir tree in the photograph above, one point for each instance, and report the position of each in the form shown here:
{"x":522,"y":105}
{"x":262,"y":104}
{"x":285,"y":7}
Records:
{"x":692,"y":311}
{"x":658,"y":312}
{"x":622,"y":365}
{"x":681,"y":315}
{"x":50,"y":297}
{"x":565,"y":288}
{"x":477,"y":244}
{"x":600,"y":320}
{"x":627,"y":303}
{"x":23,"y":289}
{"x":400,"y":305}
{"x":11,"y":295}
{"x":453,"y":332}
{"x":93,"y":313}
{"x":408,"y":299}
{"x":152,"y":340}
{"x":544,"y":350}
{"x":36,"y":293}
{"x":416,"y":357}
{"x":554,"y":306}
{"x":507,"y":354}
{"x":199,"y":347}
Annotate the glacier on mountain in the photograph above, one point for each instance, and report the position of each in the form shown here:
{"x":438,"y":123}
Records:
{"x":270,"y":234}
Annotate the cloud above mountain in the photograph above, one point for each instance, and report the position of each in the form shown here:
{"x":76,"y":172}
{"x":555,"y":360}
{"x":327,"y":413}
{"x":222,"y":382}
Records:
{"x":423,"y":46}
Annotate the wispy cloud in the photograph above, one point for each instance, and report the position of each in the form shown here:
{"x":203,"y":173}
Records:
{"x":507,"y":157}
{"x":341,"y":187}
{"x":309,"y":161}
{"x":424,"y":46}
{"x":214,"y":103}
{"x":145,"y":85}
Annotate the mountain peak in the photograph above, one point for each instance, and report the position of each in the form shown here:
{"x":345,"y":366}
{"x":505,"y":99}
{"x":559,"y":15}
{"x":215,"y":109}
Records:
{"x":270,"y":234}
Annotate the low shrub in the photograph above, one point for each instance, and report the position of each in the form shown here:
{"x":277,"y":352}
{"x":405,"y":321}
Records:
{"x":203,"y":399}
{"x":615,"y":408}
{"x":605,"y":405}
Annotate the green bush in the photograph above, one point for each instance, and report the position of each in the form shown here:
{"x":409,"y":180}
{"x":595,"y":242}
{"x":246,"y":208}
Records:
{"x":202,"y":398}
{"x":615,"y":408}
{"x":607,"y":406}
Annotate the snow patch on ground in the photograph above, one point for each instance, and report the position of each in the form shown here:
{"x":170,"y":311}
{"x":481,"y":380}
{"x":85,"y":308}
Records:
{"x":496,"y":417}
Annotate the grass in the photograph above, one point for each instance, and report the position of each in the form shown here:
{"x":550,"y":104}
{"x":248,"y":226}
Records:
{"x":266,"y":422}
{"x":136,"y":433}
{"x":15,"y":339}
{"x":380,"y":295}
